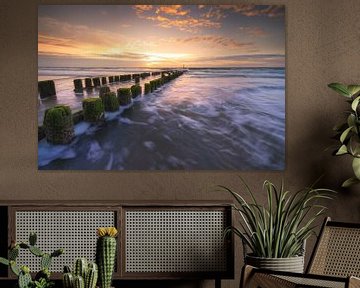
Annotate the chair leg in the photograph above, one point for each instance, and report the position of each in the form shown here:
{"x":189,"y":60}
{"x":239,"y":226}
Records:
{"x":217,"y":283}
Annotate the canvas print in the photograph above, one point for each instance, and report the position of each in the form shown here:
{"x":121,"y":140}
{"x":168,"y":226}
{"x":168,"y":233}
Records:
{"x":161,"y":87}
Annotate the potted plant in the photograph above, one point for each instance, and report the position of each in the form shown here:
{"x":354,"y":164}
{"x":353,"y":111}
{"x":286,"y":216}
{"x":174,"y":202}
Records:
{"x":348,"y":132}
{"x":42,"y":278}
{"x":276,"y":233}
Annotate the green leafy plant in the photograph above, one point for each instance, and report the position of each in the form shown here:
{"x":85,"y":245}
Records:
{"x":42,"y":278}
{"x":279,"y":229}
{"x":348,"y":132}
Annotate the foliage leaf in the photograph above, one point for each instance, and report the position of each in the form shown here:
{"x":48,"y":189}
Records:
{"x":340,"y":88}
{"x":349,"y":182}
{"x":355,"y":103}
{"x":342,"y":150}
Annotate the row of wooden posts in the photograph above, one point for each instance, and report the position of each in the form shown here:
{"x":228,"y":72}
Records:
{"x":47,"y":87}
{"x":58,"y":124}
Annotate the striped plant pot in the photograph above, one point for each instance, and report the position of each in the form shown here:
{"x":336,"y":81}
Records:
{"x":291,"y":264}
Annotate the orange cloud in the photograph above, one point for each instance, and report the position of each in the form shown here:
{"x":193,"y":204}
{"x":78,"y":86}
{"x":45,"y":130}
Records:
{"x":218,"y":41}
{"x":252,"y":10}
{"x":175,"y":10}
{"x":169,"y":16}
{"x":253,"y":31}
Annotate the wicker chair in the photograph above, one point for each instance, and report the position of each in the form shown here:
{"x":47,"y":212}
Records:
{"x":334,"y":263}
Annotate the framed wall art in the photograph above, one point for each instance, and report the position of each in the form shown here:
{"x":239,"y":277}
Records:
{"x":161,"y":87}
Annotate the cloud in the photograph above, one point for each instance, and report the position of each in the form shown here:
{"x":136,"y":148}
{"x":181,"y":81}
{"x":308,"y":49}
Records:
{"x":253,"y":31}
{"x":174,"y":16}
{"x":240,"y":60}
{"x":217,"y":40}
{"x":124,"y":56}
{"x":171,"y":10}
{"x":61,"y":37}
{"x":252,"y":10}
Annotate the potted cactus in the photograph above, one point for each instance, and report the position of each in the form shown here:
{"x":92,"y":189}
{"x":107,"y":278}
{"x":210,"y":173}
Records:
{"x":106,"y":254}
{"x":42,"y":278}
{"x":84,"y":275}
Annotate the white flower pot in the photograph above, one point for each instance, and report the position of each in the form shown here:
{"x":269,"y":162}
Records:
{"x":291,"y":264}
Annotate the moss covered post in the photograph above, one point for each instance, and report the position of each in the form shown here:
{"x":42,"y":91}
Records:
{"x":93,"y":110}
{"x":110,"y":101}
{"x":46,"y":88}
{"x":88,"y":83}
{"x":147,"y":88}
{"x":124,"y":96}
{"x":135,"y":90}
{"x":103,"y":81}
{"x":103,"y":90}
{"x":58,"y":125}
{"x":96,"y":81}
{"x":78,"y":85}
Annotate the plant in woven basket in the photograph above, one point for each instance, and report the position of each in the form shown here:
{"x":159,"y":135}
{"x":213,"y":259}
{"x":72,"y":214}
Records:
{"x":279,"y":228}
{"x":106,"y":254}
{"x":42,"y":278}
{"x":348,"y":132}
{"x":58,"y":124}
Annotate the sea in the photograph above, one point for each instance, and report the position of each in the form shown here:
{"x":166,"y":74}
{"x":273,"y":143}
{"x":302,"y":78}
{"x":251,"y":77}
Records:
{"x":206,"y":119}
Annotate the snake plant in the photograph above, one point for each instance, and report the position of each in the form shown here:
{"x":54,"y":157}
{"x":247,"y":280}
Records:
{"x":279,"y":228}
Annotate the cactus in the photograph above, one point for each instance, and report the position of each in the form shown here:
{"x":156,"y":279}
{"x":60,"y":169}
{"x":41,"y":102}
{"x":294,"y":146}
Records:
{"x":13,"y":253}
{"x":32,"y":238}
{"x":91,"y":276}
{"x":147,"y":88}
{"x":105,"y":254}
{"x":46,"y":88}
{"x":110,"y":101}
{"x":80,"y":267}
{"x":84,"y":274}
{"x":24,"y":280}
{"x":42,"y":278}
{"x":43,"y":274}
{"x":58,"y":124}
{"x":93,"y":109}
{"x":79,"y":282}
{"x":45,"y":261}
{"x":36,"y":251}
{"x":124,"y":96}
{"x":135,"y":90}
{"x":68,"y":280}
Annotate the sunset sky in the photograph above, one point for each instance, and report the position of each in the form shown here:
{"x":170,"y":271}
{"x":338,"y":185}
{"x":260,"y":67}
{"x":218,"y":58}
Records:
{"x":161,"y":36}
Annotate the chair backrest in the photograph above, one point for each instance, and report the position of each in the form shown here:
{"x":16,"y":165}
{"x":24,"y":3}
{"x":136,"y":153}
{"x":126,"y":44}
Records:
{"x":337,"y":251}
